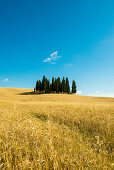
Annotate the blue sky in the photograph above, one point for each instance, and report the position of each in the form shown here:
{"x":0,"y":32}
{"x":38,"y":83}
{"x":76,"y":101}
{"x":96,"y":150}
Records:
{"x":58,"y":38}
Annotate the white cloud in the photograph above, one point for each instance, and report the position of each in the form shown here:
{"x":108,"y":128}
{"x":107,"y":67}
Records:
{"x":100,"y":94}
{"x":79,"y":92}
{"x":97,"y":92}
{"x":5,"y":80}
{"x":68,"y":64}
{"x":47,"y":60}
{"x":55,"y":53}
{"x":53,"y":57}
{"x":107,"y":95}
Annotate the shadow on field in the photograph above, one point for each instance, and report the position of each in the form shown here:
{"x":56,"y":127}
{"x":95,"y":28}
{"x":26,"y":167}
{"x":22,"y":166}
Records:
{"x":30,"y":93}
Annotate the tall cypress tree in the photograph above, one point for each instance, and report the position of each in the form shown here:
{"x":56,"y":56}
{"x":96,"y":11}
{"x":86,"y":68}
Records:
{"x":37,"y":86}
{"x":47,"y":86}
{"x":73,"y":86}
{"x":63,"y":85}
{"x":59,"y":84}
{"x":60,"y":87}
{"x":67,"y":90}
{"x":58,"y":81}
{"x":44,"y":83}
{"x":53,"y":84}
{"x":40,"y":85}
{"x":50,"y":87}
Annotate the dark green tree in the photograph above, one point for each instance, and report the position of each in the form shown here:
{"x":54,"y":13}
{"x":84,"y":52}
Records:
{"x":40,"y":85}
{"x":73,"y":86}
{"x":58,"y":85}
{"x":47,"y":86}
{"x":44,"y":83}
{"x":37,"y":86}
{"x":53,"y":84}
{"x":67,"y":89}
{"x":57,"y":90}
{"x":63,"y":85}
{"x":50,"y":87}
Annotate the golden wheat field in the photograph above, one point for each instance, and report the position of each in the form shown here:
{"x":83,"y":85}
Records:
{"x":55,"y":131}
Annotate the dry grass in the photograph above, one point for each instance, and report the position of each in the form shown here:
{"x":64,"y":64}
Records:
{"x":55,"y":131}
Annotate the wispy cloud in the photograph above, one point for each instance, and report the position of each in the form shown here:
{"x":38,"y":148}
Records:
{"x":79,"y":92}
{"x":97,"y":92}
{"x":6,"y":80}
{"x":53,"y":57}
{"x":101,"y":94}
{"x":68,"y":64}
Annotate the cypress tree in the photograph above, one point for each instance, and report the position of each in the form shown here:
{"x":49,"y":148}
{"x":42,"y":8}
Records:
{"x":50,"y":87}
{"x":73,"y":86}
{"x":67,"y":86}
{"x":63,"y":85}
{"x":53,"y":84}
{"x":34,"y":90}
{"x":40,"y":86}
{"x":59,"y":84}
{"x":37,"y":86}
{"x":60,"y":87}
{"x":43,"y":83}
{"x":58,"y":80}
{"x":47,"y":86}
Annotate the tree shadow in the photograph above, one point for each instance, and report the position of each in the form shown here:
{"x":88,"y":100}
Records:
{"x":30,"y":93}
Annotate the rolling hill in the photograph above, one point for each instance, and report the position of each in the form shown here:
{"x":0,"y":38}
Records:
{"x":55,"y":131}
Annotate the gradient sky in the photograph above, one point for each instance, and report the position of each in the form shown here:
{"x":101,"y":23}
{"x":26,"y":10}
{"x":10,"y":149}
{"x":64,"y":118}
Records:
{"x":73,"y":38}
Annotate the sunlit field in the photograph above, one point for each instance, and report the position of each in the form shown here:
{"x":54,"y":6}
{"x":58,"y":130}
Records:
{"x":55,"y":131}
